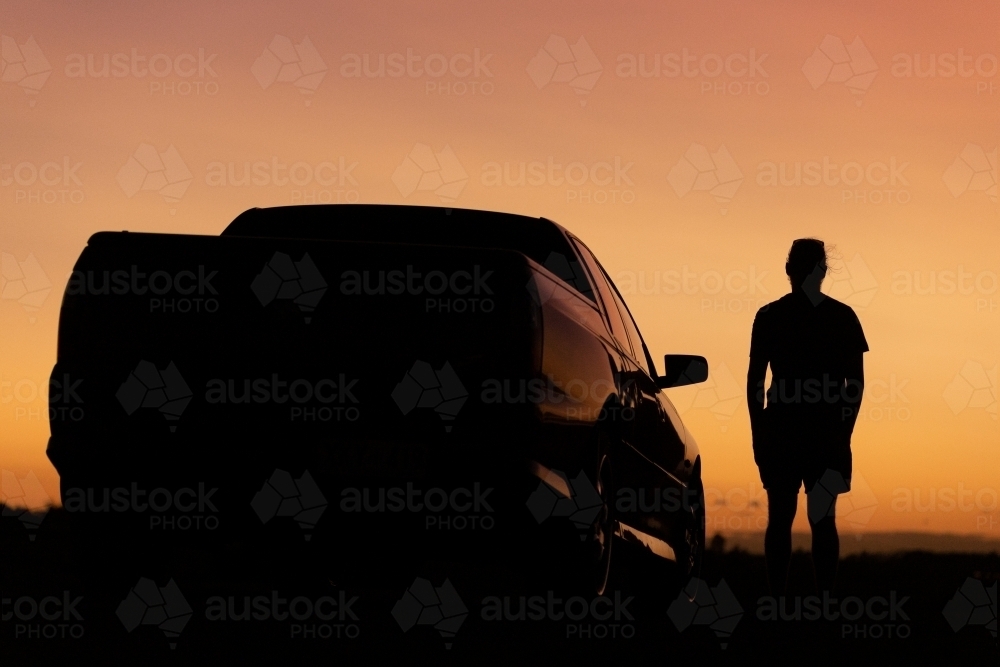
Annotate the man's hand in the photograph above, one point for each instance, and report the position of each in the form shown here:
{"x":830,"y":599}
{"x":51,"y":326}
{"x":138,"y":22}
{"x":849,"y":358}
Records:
{"x":756,"y":375}
{"x":853,"y":391}
{"x":755,"y":390}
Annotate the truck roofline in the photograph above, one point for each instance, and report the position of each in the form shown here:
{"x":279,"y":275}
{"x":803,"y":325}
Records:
{"x":258,"y":220}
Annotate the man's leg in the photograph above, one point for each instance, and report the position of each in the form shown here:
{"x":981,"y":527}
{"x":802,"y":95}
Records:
{"x":778,"y":537}
{"x":825,"y":541}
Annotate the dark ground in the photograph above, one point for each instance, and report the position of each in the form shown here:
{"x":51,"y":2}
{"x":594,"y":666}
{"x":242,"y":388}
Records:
{"x":63,"y":557}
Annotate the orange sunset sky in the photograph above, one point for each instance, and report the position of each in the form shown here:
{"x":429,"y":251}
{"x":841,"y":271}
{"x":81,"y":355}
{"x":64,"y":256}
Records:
{"x":668,"y":136}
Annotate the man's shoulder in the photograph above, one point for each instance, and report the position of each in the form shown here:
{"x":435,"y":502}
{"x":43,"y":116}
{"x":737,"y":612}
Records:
{"x":791,"y":305}
{"x":777,"y":306}
{"x":838,"y":308}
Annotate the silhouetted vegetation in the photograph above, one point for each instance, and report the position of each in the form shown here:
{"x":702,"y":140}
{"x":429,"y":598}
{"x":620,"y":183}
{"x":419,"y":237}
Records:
{"x":102,"y":568}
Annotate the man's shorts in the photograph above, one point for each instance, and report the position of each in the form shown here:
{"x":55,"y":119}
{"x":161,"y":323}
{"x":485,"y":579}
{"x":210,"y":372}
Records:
{"x":789,"y":468}
{"x":789,"y":455}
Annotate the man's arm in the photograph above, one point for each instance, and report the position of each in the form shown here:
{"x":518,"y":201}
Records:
{"x":855,"y":389}
{"x":755,"y":393}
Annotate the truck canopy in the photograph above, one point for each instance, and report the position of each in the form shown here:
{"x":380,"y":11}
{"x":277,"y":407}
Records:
{"x":537,"y":238}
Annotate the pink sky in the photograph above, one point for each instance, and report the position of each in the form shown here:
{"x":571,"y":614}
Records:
{"x":915,"y":152}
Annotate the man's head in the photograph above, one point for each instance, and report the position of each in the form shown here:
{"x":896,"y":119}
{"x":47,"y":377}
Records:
{"x":806,"y":262}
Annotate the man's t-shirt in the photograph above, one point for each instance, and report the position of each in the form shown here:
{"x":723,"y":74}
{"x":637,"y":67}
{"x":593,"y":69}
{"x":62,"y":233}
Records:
{"x":808,"y":347}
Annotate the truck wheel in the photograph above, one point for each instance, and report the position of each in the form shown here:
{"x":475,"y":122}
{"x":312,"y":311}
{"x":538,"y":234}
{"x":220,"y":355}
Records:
{"x":600,"y":537}
{"x":696,"y":531}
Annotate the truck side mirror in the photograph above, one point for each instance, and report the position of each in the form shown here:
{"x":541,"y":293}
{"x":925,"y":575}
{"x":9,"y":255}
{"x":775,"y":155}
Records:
{"x":682,"y":369}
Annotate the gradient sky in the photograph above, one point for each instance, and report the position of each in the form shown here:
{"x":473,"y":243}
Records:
{"x":915,"y":150}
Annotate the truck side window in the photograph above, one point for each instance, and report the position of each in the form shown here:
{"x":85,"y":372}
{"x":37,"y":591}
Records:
{"x":570,"y":271}
{"x":607,"y":296}
{"x":638,"y":346}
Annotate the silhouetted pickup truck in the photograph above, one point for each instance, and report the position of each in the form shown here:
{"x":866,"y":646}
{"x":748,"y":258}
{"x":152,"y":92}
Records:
{"x":389,"y":381}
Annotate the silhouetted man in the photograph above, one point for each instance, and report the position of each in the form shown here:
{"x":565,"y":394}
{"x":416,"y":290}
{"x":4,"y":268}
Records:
{"x":814,"y":345}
